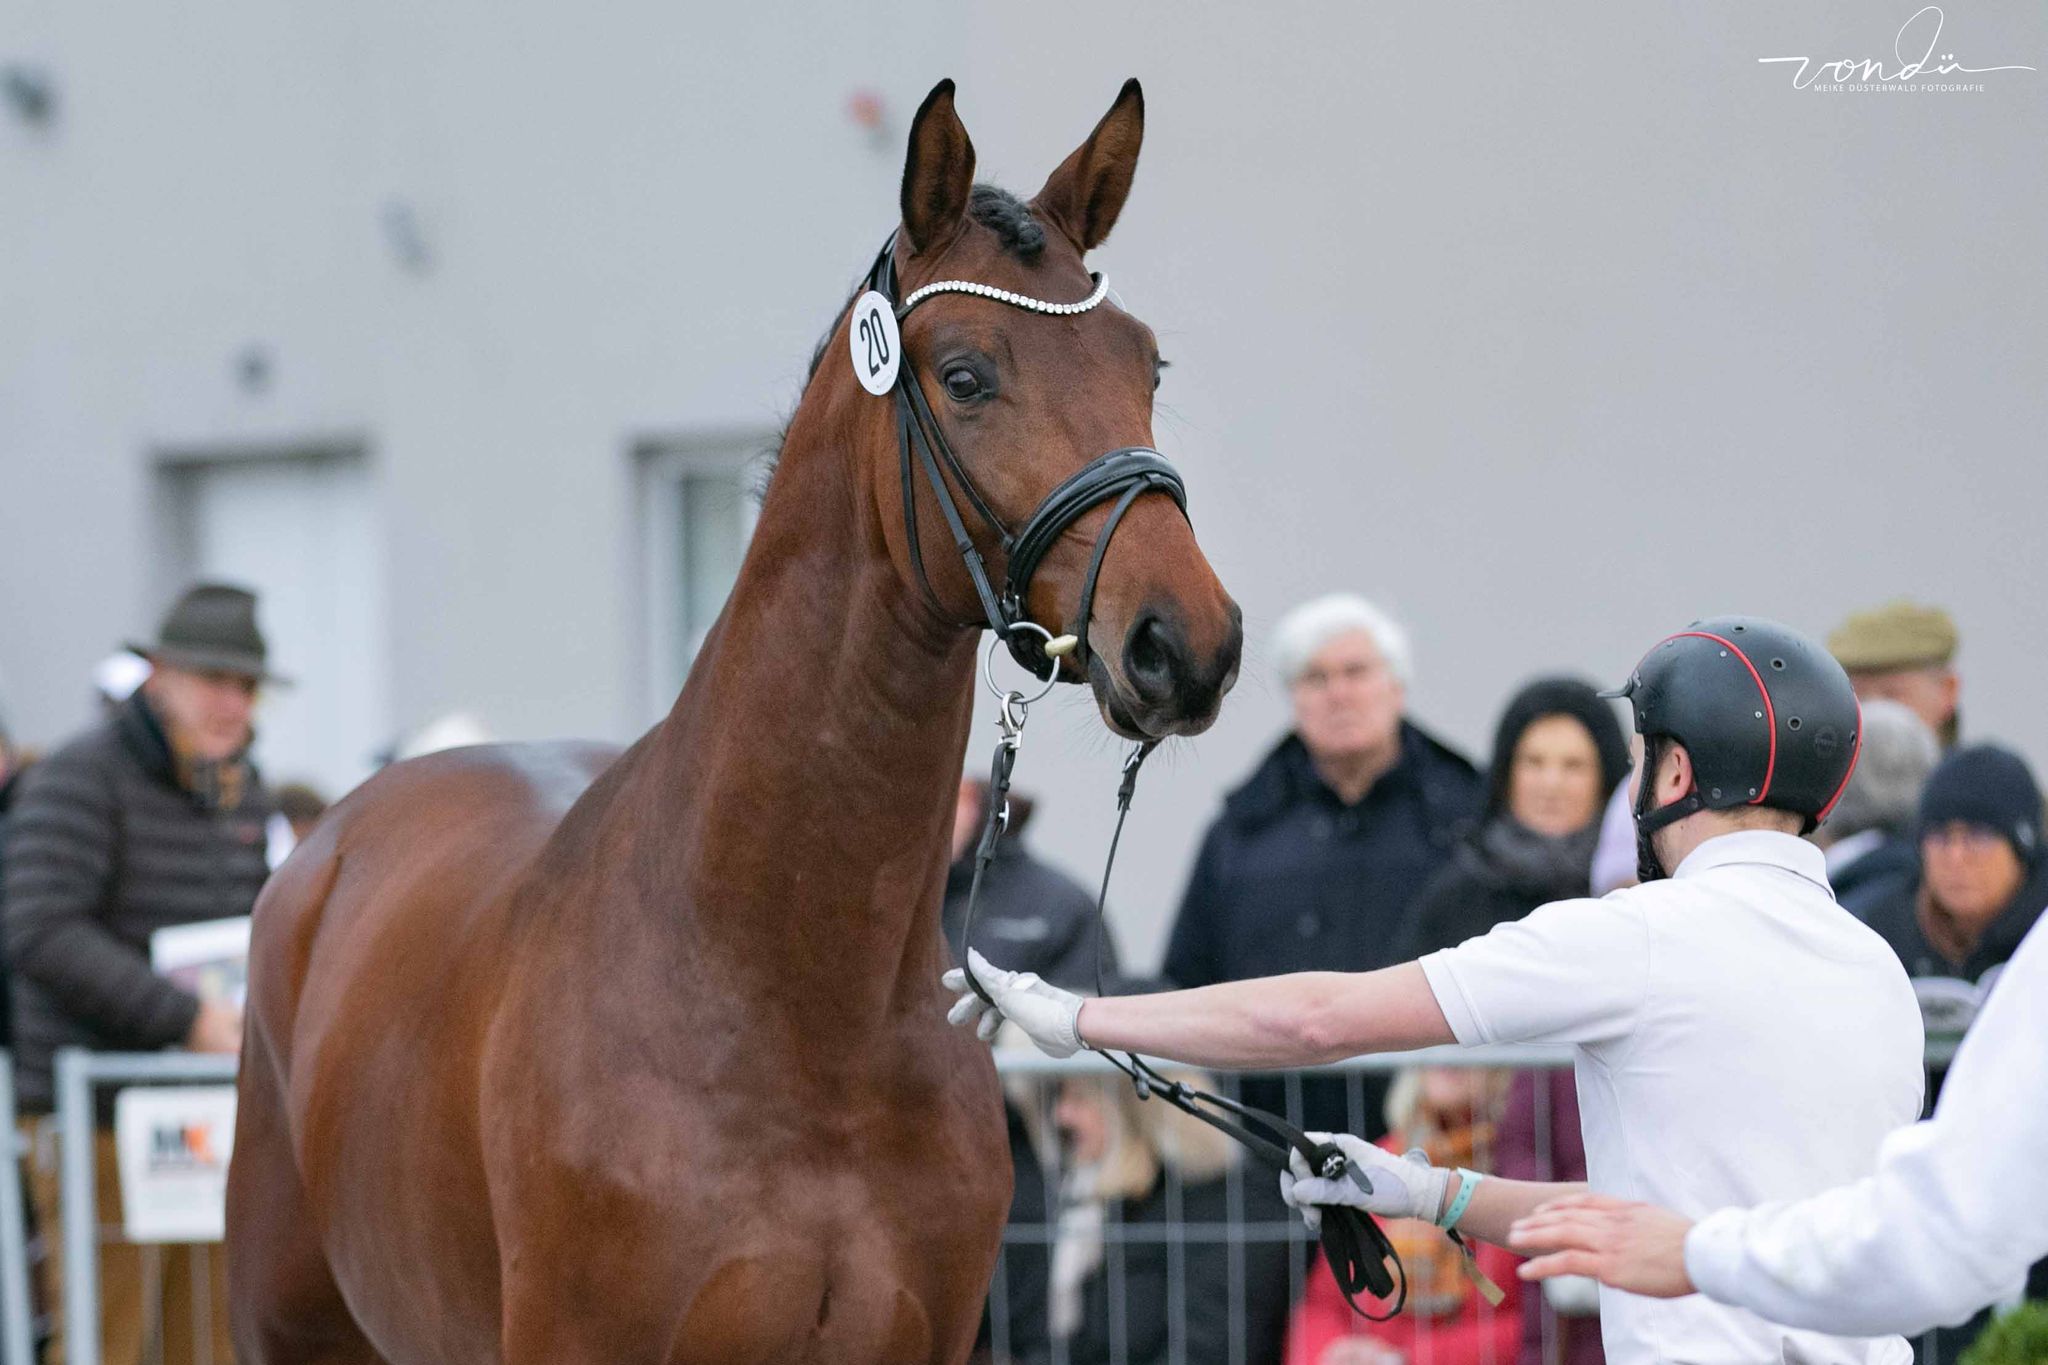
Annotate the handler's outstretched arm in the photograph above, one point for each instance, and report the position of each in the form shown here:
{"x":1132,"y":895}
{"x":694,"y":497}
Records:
{"x":1304,"y":1019}
{"x":1298,"y":1020}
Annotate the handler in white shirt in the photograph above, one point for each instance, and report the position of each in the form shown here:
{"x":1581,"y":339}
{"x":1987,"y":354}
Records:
{"x":1955,"y":1215}
{"x":1739,"y":1037}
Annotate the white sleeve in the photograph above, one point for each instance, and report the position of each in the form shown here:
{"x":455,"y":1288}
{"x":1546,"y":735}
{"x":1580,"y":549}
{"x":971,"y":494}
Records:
{"x":1570,"y":972}
{"x":1956,"y":1212}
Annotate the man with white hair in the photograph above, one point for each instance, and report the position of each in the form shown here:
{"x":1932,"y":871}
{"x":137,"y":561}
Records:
{"x":1315,"y":858}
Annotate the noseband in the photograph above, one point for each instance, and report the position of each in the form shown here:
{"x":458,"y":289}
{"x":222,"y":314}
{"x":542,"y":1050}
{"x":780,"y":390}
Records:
{"x":1122,"y":475}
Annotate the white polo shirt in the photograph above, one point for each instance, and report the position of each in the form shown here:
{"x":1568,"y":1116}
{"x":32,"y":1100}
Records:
{"x":1741,"y":1039}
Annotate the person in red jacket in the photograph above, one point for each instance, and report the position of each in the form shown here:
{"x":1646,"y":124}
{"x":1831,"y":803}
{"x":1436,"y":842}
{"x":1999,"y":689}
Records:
{"x":1451,"y":1114}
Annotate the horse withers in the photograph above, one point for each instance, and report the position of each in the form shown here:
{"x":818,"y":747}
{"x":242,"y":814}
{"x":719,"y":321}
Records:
{"x":556,"y":1054}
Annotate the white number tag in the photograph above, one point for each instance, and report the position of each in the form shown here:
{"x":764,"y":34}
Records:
{"x":877,"y":345}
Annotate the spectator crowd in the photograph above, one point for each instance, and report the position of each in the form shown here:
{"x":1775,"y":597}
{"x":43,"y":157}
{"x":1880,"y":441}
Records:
{"x":1360,"y":840}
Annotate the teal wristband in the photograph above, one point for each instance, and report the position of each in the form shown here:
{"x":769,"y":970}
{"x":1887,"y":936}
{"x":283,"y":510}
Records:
{"x":1468,"y":1181}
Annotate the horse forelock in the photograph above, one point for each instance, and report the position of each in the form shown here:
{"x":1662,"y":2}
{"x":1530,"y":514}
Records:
{"x":1016,"y":229}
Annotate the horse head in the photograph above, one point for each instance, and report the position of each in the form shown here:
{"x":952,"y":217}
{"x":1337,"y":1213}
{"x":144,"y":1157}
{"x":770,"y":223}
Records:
{"x":1022,"y":431}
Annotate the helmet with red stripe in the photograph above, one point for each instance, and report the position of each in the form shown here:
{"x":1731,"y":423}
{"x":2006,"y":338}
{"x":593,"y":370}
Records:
{"x":1766,"y":715}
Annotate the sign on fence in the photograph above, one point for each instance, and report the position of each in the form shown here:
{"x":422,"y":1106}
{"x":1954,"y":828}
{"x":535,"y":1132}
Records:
{"x":173,"y":1143}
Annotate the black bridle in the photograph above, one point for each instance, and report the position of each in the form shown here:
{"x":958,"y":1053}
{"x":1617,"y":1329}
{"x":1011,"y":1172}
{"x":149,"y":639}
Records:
{"x":1122,"y":475}
{"x":1359,"y":1255}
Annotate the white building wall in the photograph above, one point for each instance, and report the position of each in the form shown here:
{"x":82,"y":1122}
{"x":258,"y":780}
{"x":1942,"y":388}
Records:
{"x":1553,"y":327}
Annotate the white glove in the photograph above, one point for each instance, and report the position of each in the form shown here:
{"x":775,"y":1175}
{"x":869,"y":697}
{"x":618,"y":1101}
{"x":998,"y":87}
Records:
{"x":1051,"y":1016}
{"x":1572,"y":1296}
{"x":1402,"y":1186}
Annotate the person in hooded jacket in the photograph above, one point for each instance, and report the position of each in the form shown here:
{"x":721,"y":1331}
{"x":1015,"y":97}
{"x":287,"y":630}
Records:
{"x":1557,"y":753}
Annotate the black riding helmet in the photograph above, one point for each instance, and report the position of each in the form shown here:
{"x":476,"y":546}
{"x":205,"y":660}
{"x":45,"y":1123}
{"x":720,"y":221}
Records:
{"x":1767,"y":716}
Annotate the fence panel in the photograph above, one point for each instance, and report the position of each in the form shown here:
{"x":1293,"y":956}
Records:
{"x":78,"y":1074}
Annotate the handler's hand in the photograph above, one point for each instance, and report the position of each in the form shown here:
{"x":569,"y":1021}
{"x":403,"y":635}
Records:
{"x":1051,"y":1016}
{"x":1402,"y":1186}
{"x":1636,"y":1247}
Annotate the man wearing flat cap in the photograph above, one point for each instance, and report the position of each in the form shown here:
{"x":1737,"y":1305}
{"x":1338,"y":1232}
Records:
{"x":153,"y":818}
{"x":1904,"y":652}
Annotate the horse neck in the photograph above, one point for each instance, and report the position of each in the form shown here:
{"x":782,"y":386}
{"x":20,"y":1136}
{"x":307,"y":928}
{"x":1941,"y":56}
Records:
{"x":805,"y":780}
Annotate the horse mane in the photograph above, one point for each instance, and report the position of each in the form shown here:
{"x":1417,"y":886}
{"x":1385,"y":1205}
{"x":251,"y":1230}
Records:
{"x":995,"y":208}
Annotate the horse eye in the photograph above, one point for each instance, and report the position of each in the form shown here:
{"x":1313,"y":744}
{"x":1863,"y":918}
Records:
{"x":962,"y":383}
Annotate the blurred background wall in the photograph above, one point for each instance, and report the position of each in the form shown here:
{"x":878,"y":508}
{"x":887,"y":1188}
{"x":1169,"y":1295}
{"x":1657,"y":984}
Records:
{"x":456,"y":329}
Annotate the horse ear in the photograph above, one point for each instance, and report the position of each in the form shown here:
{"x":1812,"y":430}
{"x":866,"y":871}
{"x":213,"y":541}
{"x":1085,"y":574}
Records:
{"x":1087,"y":192}
{"x":938,"y":174}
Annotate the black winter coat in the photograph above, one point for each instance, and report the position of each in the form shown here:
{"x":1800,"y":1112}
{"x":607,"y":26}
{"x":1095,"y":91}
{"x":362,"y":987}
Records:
{"x":1877,"y":877}
{"x":1290,"y":879}
{"x":103,"y":848}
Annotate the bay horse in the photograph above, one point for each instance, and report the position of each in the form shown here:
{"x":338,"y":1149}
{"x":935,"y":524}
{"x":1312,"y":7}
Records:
{"x":556,"y":1054}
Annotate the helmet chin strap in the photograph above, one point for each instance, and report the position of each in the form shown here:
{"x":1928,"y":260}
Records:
{"x":1649,"y":866}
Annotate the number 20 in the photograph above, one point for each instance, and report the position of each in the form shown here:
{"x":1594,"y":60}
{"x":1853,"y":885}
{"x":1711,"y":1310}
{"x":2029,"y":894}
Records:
{"x":877,"y":340}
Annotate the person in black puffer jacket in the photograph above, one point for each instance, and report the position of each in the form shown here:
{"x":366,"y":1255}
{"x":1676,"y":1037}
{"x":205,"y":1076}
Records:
{"x":154,"y":818}
{"x":1557,"y":754}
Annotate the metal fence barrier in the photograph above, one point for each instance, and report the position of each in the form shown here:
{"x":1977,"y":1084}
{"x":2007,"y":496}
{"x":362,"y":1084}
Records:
{"x":17,"y":1345}
{"x":1253,"y":1225}
{"x":78,"y":1073}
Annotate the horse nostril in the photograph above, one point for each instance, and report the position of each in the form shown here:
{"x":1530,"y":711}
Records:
{"x":1149,"y":653}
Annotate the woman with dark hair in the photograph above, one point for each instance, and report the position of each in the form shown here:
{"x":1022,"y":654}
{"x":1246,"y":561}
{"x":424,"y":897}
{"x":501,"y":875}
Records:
{"x":1557,"y":754}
